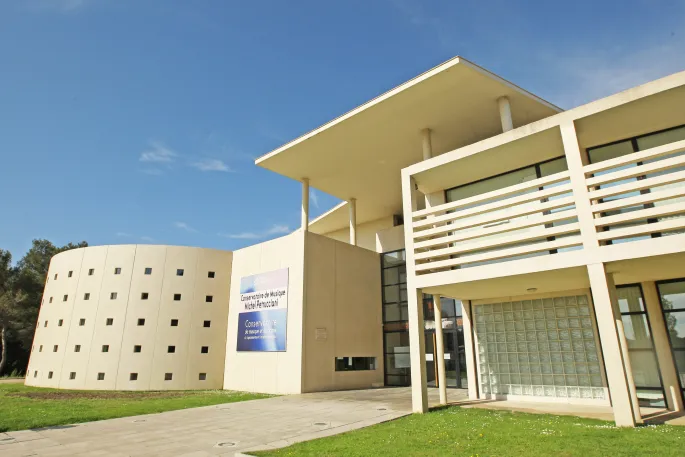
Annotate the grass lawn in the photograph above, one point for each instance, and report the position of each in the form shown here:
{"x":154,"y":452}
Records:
{"x":458,"y":431}
{"x":23,"y":407}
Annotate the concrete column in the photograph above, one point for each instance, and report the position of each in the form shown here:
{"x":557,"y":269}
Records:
{"x":417,"y":351}
{"x":588,"y":231}
{"x":505,"y":114}
{"x":440,"y":350}
{"x":305,"y":204}
{"x":352,"y":203}
{"x":417,"y":344}
{"x":662,"y":347}
{"x":426,"y":145}
{"x":469,"y":350}
{"x":617,"y":378}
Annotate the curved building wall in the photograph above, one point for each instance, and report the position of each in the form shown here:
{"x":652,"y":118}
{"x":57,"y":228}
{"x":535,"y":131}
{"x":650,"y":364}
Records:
{"x":126,"y":318}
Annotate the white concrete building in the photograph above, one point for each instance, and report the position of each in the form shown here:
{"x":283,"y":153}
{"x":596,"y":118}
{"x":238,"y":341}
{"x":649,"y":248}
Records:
{"x":547,"y":245}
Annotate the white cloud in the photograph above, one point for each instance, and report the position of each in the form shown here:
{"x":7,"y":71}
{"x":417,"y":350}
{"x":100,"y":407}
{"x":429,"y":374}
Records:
{"x":590,"y":74}
{"x":277,"y":229}
{"x":184,"y":226}
{"x":210,"y":165}
{"x":158,"y":153}
{"x":314,"y":198}
{"x":141,"y":238}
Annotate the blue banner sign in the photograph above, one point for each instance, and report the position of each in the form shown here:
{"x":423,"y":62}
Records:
{"x":263,"y":315}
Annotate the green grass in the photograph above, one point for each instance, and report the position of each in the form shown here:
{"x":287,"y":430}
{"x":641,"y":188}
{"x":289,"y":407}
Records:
{"x":458,"y":431}
{"x":23,"y":407}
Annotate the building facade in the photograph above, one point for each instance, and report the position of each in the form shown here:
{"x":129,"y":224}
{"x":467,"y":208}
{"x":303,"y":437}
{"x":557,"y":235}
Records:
{"x":486,"y":240}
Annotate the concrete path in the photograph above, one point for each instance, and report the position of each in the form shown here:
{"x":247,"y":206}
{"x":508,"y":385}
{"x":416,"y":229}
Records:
{"x":221,"y":429}
{"x":11,"y":380}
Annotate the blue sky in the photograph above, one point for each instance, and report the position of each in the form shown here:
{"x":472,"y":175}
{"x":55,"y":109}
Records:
{"x":137,"y":121}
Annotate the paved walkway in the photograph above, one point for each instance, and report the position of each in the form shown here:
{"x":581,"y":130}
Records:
{"x":221,"y":429}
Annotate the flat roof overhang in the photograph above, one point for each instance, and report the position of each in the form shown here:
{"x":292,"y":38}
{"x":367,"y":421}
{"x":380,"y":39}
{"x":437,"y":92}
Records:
{"x":360,"y":154}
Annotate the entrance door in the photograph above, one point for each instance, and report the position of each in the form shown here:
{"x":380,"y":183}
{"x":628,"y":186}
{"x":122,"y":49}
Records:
{"x":455,"y":360}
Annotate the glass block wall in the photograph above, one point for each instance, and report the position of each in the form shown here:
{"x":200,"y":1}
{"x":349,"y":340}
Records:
{"x":542,"y":348}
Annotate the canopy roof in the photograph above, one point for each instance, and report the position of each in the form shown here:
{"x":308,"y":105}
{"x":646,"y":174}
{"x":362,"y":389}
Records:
{"x":360,"y":154}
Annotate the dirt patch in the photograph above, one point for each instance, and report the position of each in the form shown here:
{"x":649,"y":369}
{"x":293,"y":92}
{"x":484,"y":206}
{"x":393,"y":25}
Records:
{"x":78,"y":395}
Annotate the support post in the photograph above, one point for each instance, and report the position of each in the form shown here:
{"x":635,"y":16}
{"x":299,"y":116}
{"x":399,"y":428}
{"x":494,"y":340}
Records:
{"x":417,"y":344}
{"x":662,"y":347}
{"x":426,"y":145}
{"x":352,"y":203}
{"x":505,"y":114}
{"x":440,"y":350}
{"x":305,"y":205}
{"x":469,"y":350}
{"x":617,"y":378}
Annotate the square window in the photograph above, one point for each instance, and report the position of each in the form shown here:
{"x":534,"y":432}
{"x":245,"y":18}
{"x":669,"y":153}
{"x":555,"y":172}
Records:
{"x":35,"y":374}
{"x":141,"y":322}
{"x":77,"y":348}
{"x":101,"y":376}
{"x":148,"y":271}
{"x":86,"y":296}
{"x":203,"y":376}
{"x":50,"y":300}
{"x":174,"y":322}
{"x":210,"y":274}
{"x":81,"y":322}
{"x":60,"y":322}
{"x":65,"y":298}
{"x":113,"y":296}
{"x":45,"y":324}
{"x":91,"y":271}
{"x":137,"y":348}
{"x":40,"y":349}
{"x":55,"y":276}
{"x":54,"y":348}
{"x":207,"y":324}
{"x":72,"y":375}
{"x":204,"y":350}
{"x":144,"y":296}
{"x":177,"y":297}
{"x":105,"y":348}
{"x":117,"y":271}
{"x":179,"y":272}
{"x":70,"y":274}
{"x":168,"y":376}
{"x":171,"y":349}
{"x":209,"y":298}
{"x":110,"y":321}
{"x":133,"y":377}
{"x":49,"y":374}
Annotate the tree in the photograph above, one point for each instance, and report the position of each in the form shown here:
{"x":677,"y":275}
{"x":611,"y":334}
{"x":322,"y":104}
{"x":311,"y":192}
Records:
{"x":21,"y":290}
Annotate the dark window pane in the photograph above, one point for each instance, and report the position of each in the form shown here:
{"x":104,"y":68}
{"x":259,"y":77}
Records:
{"x":391,"y":276}
{"x":355,"y":363}
{"x":645,"y":369}
{"x":391,"y":294}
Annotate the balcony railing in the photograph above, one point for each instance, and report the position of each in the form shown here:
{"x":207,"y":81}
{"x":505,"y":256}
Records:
{"x":633,"y":197}
{"x":532,"y":218}
{"x":638,"y":195}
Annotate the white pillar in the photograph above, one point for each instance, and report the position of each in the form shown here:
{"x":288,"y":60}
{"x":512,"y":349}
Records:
{"x":440,"y":350}
{"x":426,"y":145}
{"x":352,"y":203}
{"x":417,"y":344}
{"x":505,"y":113}
{"x":617,"y":378}
{"x":305,"y":204}
{"x":469,"y":350}
{"x":662,"y":347}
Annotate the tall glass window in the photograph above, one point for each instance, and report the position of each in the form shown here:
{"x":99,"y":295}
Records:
{"x":641,"y":350}
{"x":672,"y":297}
{"x":395,"y":317}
